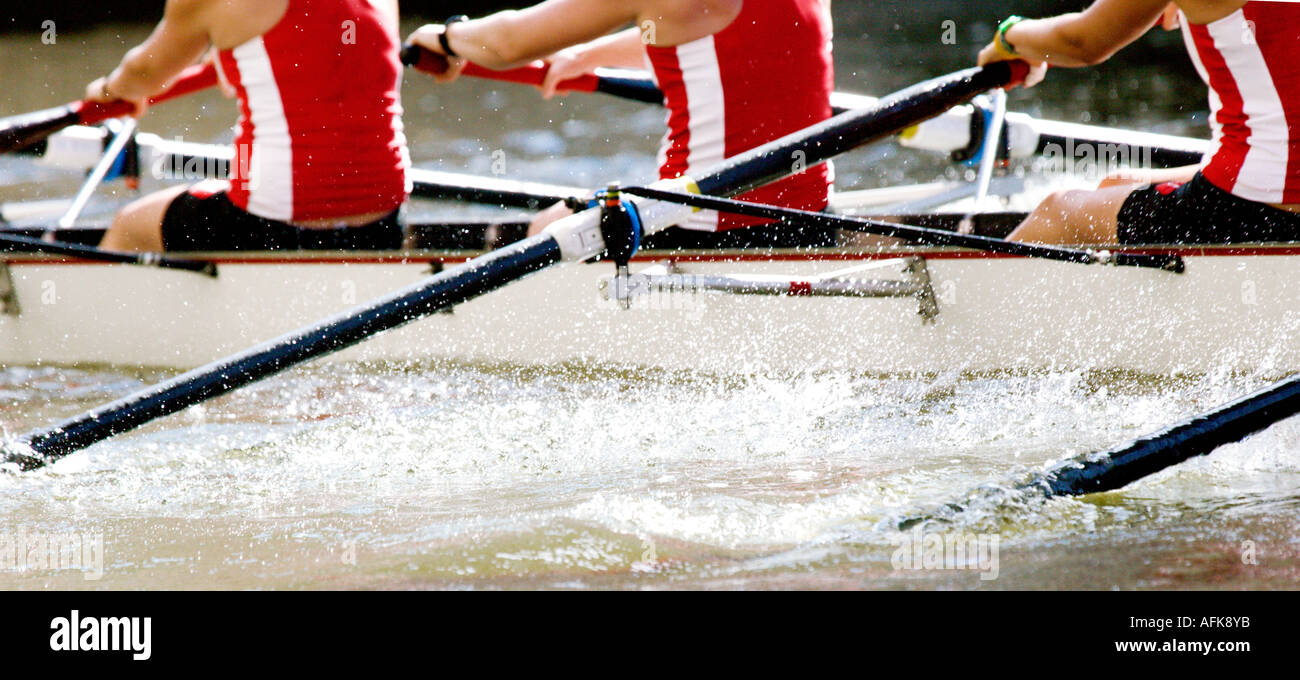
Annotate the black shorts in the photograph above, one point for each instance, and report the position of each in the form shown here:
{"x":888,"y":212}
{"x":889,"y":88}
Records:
{"x":210,"y":222}
{"x":1199,"y":212}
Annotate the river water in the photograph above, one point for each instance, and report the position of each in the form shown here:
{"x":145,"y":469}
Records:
{"x":489,"y":476}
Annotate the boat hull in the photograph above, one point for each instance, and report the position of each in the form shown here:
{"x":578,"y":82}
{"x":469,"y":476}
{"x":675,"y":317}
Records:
{"x":1234,"y":309}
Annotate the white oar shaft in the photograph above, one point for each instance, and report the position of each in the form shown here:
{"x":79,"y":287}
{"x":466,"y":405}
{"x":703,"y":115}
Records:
{"x":97,"y":175}
{"x":992,"y":145}
{"x":988,"y":159}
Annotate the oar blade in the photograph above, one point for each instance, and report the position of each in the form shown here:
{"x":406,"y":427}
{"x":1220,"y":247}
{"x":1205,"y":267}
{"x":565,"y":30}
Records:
{"x":1197,"y":436}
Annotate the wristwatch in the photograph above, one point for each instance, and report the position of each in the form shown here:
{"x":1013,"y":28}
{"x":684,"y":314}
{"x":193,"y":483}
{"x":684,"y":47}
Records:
{"x":442,"y":37}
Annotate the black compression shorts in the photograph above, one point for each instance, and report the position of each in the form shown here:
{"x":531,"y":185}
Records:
{"x":199,"y":221}
{"x":1199,"y":212}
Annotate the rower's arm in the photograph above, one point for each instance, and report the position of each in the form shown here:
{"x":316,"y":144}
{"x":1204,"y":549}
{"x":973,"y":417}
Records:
{"x":511,"y":38}
{"x":176,"y":42}
{"x":1082,"y":38}
{"x":619,"y":50}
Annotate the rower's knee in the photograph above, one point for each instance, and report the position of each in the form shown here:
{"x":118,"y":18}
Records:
{"x":1059,"y":204}
{"x":138,"y":226}
{"x":1074,"y":216}
{"x":129,"y":232}
{"x":1050,"y":222}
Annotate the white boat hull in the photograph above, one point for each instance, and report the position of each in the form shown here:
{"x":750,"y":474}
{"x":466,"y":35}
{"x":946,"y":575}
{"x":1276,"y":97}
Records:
{"x":1233,"y":309}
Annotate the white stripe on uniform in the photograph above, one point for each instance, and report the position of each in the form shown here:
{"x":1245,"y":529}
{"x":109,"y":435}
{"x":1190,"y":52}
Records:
{"x":270,"y":164}
{"x":1264,"y":171}
{"x":1216,"y":131}
{"x":707,"y":112}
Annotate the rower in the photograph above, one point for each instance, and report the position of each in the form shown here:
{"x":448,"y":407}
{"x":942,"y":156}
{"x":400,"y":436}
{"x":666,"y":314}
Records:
{"x":320,"y":157}
{"x":734,"y":74}
{"x":1248,"y":188}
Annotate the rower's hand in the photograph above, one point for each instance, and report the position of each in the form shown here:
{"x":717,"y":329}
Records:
{"x":1037,"y":70}
{"x":565,"y":64}
{"x":427,"y":36}
{"x":97,"y":91}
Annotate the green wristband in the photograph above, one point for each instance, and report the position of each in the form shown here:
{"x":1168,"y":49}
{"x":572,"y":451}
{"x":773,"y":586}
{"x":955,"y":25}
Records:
{"x":1002,"y":34}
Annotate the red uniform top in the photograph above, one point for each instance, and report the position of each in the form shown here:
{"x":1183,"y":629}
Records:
{"x":766,"y":75}
{"x":1251,"y":61}
{"x":320,"y":126}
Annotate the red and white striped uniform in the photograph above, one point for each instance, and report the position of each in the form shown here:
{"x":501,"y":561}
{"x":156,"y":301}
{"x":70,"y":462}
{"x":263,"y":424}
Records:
{"x":1251,"y":61}
{"x":320,"y":129}
{"x":766,"y":75}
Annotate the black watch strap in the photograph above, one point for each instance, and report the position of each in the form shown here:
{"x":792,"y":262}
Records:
{"x":442,"y":38}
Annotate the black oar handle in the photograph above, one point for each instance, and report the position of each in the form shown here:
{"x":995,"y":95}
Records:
{"x":18,"y":132}
{"x":21,"y":131}
{"x":627,"y":87}
{"x":631,"y":88}
{"x":937,"y":237}
{"x":20,"y":243}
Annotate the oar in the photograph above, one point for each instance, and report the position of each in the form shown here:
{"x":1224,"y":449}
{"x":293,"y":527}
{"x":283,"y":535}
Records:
{"x":24,"y":130}
{"x":634,"y":88}
{"x":75,"y":151}
{"x":97,"y":175}
{"x":575,"y":238}
{"x":947,"y":134}
{"x":21,"y":243}
{"x":452,"y":186}
{"x":27,"y":244}
{"x":1197,"y":436}
{"x":992,"y":149}
{"x":1118,"y":467}
{"x":935,"y":237}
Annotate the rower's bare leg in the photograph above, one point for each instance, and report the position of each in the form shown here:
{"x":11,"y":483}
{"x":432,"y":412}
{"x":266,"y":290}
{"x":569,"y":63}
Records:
{"x":138,"y":226}
{"x":1075,"y":217}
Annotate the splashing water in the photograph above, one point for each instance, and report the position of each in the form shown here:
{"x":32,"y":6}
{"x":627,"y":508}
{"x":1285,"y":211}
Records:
{"x":501,"y":476}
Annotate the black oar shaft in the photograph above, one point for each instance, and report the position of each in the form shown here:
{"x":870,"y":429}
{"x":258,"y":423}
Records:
{"x":935,"y":237}
{"x":34,"y":245}
{"x":851,"y":129}
{"x":1196,"y":436}
{"x":491,"y":190}
{"x":1141,"y":155}
{"x":449,"y":288}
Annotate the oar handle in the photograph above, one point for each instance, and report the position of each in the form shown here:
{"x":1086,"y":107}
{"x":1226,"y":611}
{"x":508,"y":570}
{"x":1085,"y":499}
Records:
{"x":532,"y":74}
{"x":1019,"y":71}
{"x":191,"y":80}
{"x":25,"y":130}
